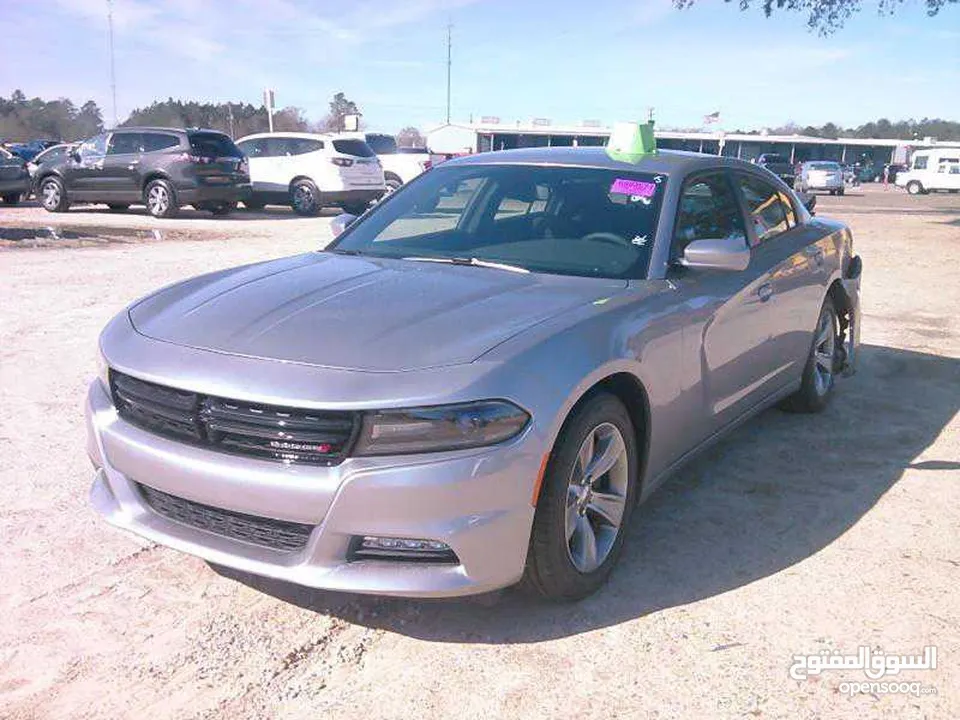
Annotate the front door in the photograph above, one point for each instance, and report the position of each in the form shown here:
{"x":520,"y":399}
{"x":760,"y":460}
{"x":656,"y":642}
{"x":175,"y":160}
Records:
{"x":119,"y":178}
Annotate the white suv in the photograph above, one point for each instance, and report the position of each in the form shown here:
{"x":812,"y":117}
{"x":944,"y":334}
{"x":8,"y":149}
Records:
{"x":399,"y":166}
{"x":309,"y":172}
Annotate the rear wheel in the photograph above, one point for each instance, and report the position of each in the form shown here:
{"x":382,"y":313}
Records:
{"x":12,"y":198}
{"x":52,"y":195}
{"x":816,"y":385}
{"x":914,"y":187}
{"x":160,"y":199}
{"x":305,"y":198}
{"x":585,"y":504}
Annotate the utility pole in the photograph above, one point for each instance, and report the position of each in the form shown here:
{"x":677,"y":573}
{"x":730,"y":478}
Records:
{"x":113,"y":71}
{"x":449,"y":65}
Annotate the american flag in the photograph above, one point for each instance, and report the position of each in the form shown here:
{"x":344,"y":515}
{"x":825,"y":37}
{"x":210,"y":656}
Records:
{"x":711,"y":118}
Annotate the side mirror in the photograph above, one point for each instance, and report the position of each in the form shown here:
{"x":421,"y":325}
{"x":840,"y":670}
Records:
{"x":809,"y":202}
{"x":341,"y":222}
{"x":729,"y":253}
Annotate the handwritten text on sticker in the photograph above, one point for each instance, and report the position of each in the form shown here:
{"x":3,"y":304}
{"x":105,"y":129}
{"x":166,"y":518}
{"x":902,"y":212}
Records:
{"x":633,"y":187}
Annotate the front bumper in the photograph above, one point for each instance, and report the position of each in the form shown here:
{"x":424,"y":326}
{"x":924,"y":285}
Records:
{"x":477,"y":502}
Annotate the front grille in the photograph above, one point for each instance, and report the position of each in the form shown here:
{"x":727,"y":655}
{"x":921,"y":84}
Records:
{"x":278,"y":535}
{"x":310,"y":437}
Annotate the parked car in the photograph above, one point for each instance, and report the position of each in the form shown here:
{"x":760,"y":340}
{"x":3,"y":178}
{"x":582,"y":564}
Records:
{"x":779,"y":166}
{"x":14,"y":177}
{"x":931,"y":171}
{"x":309,"y":172}
{"x":476,"y":383}
{"x":821,"y":175}
{"x":162,"y":168}
{"x":400,"y":165}
{"x":51,"y":155}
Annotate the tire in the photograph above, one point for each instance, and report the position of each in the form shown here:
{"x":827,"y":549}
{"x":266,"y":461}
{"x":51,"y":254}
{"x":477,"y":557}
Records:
{"x":222,"y":209}
{"x":161,"y":199}
{"x":305,"y":198}
{"x":841,"y":191}
{"x":52,"y":195}
{"x":117,"y":207}
{"x":357,"y":210}
{"x":560,"y":566}
{"x":392,"y":183}
{"x":12,"y":198}
{"x":914,"y":187}
{"x":819,"y":373}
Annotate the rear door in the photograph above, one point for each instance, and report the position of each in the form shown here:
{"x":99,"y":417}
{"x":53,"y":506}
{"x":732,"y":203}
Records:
{"x":728,"y":312}
{"x":118,"y":180}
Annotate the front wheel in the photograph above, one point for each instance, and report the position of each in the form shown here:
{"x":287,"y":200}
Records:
{"x":160,"y":199}
{"x":816,"y":385}
{"x":585,"y":503}
{"x":914,"y":187}
{"x":52,"y":195}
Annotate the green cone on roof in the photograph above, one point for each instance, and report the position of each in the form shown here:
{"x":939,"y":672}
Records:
{"x":631,"y":142}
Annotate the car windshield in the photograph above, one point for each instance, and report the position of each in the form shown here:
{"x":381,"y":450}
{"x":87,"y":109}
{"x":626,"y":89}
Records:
{"x":580,"y":221}
{"x":211,"y":144}
{"x":824,"y":166}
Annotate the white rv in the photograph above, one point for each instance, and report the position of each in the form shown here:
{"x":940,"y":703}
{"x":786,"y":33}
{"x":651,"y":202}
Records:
{"x":932,"y":170}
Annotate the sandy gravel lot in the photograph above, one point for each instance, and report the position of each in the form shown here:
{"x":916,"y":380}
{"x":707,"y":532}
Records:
{"x":796,"y":535}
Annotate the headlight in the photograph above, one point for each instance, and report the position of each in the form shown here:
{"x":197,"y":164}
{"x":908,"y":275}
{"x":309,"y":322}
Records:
{"x":103,"y":370}
{"x":443,"y":427}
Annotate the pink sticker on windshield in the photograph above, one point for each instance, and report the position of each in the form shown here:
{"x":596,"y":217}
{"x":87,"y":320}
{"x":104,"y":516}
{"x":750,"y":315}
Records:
{"x":638,"y":188}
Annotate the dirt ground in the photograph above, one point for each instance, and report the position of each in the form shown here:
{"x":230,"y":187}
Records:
{"x":799,"y":534}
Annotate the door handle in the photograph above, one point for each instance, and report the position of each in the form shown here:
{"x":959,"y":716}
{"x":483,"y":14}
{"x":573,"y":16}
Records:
{"x":765,"y":292}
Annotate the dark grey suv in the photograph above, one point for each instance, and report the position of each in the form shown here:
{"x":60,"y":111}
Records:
{"x":162,"y":168}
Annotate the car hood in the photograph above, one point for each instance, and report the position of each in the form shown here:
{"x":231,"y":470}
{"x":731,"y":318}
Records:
{"x":359,"y":313}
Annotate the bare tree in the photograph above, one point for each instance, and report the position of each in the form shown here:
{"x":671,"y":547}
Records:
{"x":411,"y":137}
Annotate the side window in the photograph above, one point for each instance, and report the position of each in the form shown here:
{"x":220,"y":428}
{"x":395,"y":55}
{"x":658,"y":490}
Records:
{"x":771,"y":212}
{"x":94,"y":147}
{"x":253,"y":148}
{"x":276,"y":147}
{"x":920,"y":162}
{"x":159,"y":141}
{"x":707,"y":210}
{"x":124,"y":144}
{"x":301,"y":146}
{"x":949,"y":165}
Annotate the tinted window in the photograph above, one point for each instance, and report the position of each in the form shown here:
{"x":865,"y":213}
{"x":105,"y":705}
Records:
{"x":770,"y":210}
{"x":124,"y":144}
{"x":357,"y":148}
{"x":293,"y":146}
{"x":949,"y":165}
{"x":382,"y":144}
{"x":824,"y":166}
{"x":51,"y":155}
{"x":707,"y":210}
{"x":94,"y":147}
{"x":159,"y":141}
{"x":593,"y":222}
{"x":254,"y":148}
{"x":213,"y":145}
{"x":920,"y":162}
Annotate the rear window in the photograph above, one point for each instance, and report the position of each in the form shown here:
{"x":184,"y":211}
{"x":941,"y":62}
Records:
{"x":382,"y":144}
{"x":824,"y":166}
{"x":209,"y":144}
{"x":357,"y":148}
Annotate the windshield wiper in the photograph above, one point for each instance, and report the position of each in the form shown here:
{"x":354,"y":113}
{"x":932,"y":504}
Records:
{"x":475,"y":262}
{"x":338,"y":251}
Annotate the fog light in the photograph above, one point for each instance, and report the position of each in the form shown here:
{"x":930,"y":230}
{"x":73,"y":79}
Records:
{"x":393,"y":548}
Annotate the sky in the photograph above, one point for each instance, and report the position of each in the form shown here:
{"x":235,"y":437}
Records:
{"x":566,"y":60}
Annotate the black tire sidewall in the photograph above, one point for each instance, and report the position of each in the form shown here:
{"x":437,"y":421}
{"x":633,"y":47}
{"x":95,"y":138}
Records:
{"x":317,"y":206}
{"x":549,"y":572}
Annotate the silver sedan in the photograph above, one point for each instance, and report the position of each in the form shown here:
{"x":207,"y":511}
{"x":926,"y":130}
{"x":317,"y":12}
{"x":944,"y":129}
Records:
{"x":480,"y":379}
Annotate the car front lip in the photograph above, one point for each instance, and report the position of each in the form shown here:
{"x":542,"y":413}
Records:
{"x":478,"y":502}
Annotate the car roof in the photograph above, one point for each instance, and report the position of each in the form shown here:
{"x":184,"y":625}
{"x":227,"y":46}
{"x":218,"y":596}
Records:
{"x":300,"y":135}
{"x":147,"y":128}
{"x":663,"y":161}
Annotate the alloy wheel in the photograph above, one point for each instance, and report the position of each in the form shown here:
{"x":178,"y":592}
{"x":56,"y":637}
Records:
{"x":51,"y":195}
{"x":824,"y":351}
{"x":596,"y":497}
{"x":158,"y":200}
{"x":303,"y":199}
